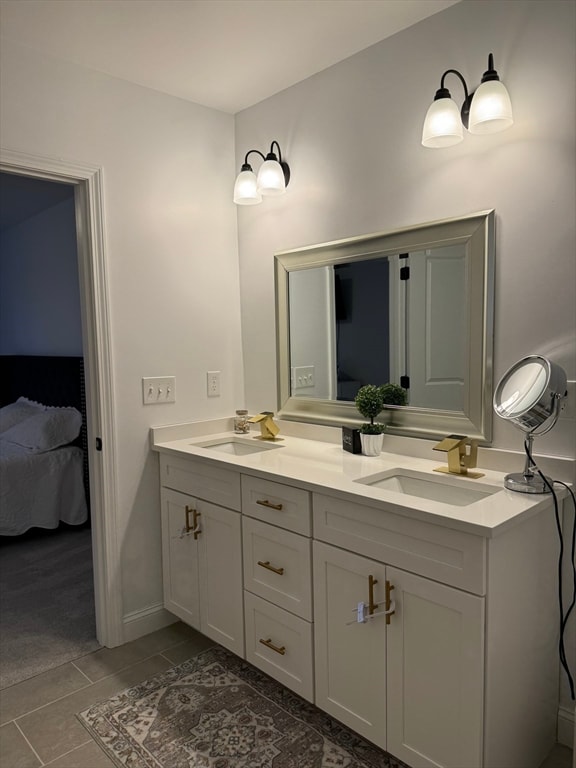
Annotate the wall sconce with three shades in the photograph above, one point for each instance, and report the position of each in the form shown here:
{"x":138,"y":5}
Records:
{"x":272,"y":179}
{"x":486,"y":110}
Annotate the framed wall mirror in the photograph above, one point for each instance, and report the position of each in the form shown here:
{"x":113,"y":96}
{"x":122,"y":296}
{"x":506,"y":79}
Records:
{"x":413,"y":307}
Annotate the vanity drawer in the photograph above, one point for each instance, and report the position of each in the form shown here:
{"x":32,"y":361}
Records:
{"x":277,"y":566}
{"x":278,"y":504}
{"x":280,"y":644}
{"x":443,"y":554}
{"x":201,"y":479}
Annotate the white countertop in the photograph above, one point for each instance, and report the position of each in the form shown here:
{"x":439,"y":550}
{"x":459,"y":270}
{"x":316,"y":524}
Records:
{"x":324,"y":467}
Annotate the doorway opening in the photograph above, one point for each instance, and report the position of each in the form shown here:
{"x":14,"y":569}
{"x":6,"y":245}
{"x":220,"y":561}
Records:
{"x":92,"y":276}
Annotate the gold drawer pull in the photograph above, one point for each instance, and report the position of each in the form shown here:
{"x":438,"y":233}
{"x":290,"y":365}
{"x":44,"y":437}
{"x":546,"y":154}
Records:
{"x":279,"y":571}
{"x":188,"y":510}
{"x":197,"y":529}
{"x":194,"y":527}
{"x":269,"y":504}
{"x":389,"y":604}
{"x":371,"y":604}
{"x":269,"y":644}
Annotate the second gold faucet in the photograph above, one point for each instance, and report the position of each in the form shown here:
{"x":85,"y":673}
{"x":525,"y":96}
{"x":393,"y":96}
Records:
{"x":462,"y":455}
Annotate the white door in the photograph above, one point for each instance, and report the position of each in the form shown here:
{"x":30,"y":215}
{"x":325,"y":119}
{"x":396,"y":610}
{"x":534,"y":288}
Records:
{"x":350,"y":657}
{"x":435,"y":674}
{"x":437,"y":315}
{"x":220,"y":576}
{"x":179,"y":558}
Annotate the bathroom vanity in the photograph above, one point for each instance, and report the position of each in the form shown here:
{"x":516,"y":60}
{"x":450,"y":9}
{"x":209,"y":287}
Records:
{"x":417,"y":608}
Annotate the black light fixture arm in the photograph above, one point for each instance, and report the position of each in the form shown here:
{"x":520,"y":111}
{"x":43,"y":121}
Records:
{"x":444,"y":93}
{"x":490,"y":73}
{"x":246,"y":165}
{"x":284,"y":165}
{"x":270,"y":156}
{"x":443,"y":88}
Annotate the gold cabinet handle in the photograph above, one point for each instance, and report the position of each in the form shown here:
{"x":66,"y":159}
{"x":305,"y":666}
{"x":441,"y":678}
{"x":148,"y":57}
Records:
{"x":279,"y":571}
{"x":389,"y":609}
{"x":197,"y":530}
{"x":269,"y":504}
{"x":371,"y":604}
{"x":195,"y":515}
{"x":269,"y":644}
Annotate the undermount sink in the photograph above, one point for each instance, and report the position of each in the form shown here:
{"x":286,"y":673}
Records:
{"x":236,"y":446}
{"x":447,"y":490}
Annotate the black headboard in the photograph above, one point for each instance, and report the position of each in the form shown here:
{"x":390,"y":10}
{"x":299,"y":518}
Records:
{"x":49,"y":380}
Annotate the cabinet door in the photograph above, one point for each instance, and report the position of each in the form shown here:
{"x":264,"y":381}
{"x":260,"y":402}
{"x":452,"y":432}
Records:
{"x":435,"y":674}
{"x":179,"y":558}
{"x":350,"y":657}
{"x":220,"y":571}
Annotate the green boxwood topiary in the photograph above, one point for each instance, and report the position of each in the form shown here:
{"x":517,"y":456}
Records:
{"x":393,"y":394}
{"x":369,"y":403}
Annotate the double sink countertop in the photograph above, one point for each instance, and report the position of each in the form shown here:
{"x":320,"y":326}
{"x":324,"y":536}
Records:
{"x":478,"y":506}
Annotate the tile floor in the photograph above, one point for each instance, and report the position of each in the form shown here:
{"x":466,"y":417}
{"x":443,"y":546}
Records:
{"x":37,"y":717}
{"x":38,"y":726}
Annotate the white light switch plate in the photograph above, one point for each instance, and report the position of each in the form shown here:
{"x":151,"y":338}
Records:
{"x":158,"y":390}
{"x":302,"y":376}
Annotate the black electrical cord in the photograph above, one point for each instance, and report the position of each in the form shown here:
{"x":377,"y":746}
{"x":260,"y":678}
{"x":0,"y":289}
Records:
{"x":563,"y":615}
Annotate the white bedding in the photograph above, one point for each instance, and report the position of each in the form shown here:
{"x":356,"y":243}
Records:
{"x":40,"y":489}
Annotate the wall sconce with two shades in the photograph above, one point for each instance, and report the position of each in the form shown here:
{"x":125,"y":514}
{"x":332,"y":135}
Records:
{"x":486,"y":110}
{"x":272,"y":179}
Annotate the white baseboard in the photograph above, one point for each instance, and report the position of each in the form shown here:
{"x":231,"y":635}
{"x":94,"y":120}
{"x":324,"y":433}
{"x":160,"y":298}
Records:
{"x":566,"y":726}
{"x":140,"y":623}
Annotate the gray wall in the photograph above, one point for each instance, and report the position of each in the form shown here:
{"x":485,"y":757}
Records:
{"x":352,"y":137}
{"x":39,"y":291}
{"x":171,"y":264}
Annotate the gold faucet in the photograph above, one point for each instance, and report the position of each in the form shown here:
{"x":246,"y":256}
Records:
{"x":462,"y":455}
{"x":268,"y":427}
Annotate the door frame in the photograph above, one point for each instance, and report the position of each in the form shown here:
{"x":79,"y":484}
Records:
{"x":94,"y":300}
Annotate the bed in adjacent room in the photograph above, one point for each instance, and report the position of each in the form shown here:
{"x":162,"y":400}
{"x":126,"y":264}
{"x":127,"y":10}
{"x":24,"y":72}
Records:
{"x":43,"y":462}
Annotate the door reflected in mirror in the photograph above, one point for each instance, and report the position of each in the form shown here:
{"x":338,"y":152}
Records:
{"x":413,"y":307}
{"x":398,"y":318}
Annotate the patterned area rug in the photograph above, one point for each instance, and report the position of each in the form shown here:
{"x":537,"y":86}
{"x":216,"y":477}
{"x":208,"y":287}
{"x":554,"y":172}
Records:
{"x":217,"y":711}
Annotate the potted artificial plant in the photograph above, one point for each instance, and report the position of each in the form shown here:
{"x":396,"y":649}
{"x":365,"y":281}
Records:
{"x":369,"y":404}
{"x":393,"y":394}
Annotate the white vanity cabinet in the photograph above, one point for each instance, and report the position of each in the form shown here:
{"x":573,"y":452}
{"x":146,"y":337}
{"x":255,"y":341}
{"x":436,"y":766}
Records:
{"x":451,"y":679}
{"x":458,"y":668}
{"x":202,"y":550}
{"x":276,"y":528}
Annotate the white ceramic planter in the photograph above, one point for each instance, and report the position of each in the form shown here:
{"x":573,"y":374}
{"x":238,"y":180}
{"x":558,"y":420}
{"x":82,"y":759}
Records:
{"x":371,"y":444}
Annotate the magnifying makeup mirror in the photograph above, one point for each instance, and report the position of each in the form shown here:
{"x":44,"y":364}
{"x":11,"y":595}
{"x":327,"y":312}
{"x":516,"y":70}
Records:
{"x":529,"y":395}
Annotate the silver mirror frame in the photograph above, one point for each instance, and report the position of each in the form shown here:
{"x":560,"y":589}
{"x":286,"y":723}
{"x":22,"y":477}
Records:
{"x":477,"y":231}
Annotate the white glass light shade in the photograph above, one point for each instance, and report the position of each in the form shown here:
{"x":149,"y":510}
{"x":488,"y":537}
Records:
{"x":491,"y":109}
{"x":246,"y":189}
{"x":271,"y":178}
{"x":443,"y":124}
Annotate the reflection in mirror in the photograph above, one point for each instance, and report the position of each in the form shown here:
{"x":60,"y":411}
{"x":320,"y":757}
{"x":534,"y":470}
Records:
{"x":413,"y":307}
{"x":383,"y":319}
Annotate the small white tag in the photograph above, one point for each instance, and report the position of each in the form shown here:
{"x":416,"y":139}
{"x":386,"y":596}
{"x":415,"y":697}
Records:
{"x":360,"y":618}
